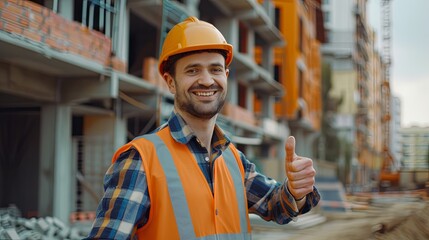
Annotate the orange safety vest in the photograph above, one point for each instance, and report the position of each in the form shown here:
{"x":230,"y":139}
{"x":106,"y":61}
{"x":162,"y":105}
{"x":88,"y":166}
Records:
{"x":182,"y":204}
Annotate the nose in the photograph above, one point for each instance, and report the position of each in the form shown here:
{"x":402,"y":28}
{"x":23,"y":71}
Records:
{"x":206,"y":78}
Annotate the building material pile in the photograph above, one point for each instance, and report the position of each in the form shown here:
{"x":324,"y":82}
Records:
{"x":13,"y":226}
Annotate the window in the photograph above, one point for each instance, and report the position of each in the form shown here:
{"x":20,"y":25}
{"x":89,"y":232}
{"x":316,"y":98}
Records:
{"x":301,"y":35}
{"x":242,"y":95}
{"x":277,"y":73}
{"x":242,"y":36}
{"x":277,"y":17}
{"x":326,"y":17}
{"x":96,"y":15}
{"x":328,"y":35}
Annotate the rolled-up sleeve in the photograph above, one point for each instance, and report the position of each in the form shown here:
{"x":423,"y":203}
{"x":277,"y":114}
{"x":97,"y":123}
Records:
{"x":270,"y":199}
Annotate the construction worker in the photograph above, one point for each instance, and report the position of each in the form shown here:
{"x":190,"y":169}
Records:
{"x":186,"y":180}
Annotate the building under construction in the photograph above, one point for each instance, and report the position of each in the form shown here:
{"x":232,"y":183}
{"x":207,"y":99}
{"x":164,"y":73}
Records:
{"x":79,"y":78}
{"x":359,"y":78}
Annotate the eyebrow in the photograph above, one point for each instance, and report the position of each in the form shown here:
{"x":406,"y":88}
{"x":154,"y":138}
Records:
{"x":216,"y":64}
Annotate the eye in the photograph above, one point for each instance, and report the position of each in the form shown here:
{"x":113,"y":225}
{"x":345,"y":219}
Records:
{"x":217,"y":70}
{"x":192,"y":71}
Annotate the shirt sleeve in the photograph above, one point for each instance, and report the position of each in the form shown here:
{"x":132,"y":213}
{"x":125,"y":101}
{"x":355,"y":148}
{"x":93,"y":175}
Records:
{"x":270,"y":199}
{"x":125,"y":204}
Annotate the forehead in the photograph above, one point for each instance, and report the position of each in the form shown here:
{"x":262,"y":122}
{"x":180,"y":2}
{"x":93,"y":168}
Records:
{"x":201,"y":59}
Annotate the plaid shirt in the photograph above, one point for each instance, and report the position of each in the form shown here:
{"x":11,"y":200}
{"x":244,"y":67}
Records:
{"x":125,"y":205}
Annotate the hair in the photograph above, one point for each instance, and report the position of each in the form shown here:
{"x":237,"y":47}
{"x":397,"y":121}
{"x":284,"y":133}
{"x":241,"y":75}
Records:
{"x":170,"y":64}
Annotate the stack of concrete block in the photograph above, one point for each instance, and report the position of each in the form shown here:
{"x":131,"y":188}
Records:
{"x":13,"y":226}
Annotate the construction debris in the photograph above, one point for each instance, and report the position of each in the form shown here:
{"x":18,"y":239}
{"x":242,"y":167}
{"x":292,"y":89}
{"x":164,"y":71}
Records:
{"x":13,"y":227}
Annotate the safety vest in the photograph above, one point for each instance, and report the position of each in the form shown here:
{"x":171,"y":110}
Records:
{"x":182,"y":203}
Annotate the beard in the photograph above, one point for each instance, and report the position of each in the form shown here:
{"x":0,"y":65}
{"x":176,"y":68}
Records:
{"x":204,"y":110}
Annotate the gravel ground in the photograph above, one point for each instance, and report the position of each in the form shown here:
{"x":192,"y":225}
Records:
{"x":387,"y":221}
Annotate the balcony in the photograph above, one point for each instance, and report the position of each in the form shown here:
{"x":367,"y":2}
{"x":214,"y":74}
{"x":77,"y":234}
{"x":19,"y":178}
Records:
{"x":239,"y":114}
{"x":151,"y":10}
{"x":252,"y":13}
{"x":257,"y":77}
{"x":59,"y":54}
{"x":274,"y":129}
{"x":68,"y":61}
{"x":35,"y":37}
{"x":240,"y":124}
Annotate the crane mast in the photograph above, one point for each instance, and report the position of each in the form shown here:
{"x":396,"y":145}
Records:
{"x":386,"y":51}
{"x":389,"y":177}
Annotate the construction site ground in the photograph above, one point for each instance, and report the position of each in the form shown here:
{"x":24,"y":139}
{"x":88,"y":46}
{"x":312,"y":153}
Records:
{"x":377,"y":216}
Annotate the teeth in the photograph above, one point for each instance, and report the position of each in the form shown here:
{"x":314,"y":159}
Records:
{"x":205,"y":94}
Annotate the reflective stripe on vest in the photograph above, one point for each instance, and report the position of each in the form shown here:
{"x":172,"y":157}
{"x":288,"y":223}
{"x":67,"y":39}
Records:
{"x":229,"y":158}
{"x":178,"y":199}
{"x":175,"y":188}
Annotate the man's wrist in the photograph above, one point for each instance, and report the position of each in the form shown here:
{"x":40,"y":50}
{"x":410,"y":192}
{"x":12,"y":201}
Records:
{"x":299,"y":199}
{"x":296,"y":200}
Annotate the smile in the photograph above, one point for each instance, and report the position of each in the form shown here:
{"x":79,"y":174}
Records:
{"x":204,"y":94}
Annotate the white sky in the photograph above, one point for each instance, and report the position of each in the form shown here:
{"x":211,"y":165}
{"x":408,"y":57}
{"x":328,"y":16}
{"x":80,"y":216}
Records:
{"x":410,"y":56}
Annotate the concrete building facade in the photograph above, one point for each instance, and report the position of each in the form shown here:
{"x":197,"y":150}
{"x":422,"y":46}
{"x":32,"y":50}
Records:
{"x":415,"y":148}
{"x":395,"y":128}
{"x":340,"y":26}
{"x":414,"y":169}
{"x":357,"y":75}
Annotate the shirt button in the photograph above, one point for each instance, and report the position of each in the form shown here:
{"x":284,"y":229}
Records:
{"x":207,"y":159}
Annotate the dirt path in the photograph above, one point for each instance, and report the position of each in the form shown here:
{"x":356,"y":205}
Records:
{"x":407,"y":221}
{"x":393,"y":221}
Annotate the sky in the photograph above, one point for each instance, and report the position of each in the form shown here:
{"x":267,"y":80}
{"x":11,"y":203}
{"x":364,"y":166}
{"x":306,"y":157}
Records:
{"x":410,"y":56}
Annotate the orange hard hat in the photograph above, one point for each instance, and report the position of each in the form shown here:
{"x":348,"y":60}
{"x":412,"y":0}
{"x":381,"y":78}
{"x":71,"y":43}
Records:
{"x":191,"y":35}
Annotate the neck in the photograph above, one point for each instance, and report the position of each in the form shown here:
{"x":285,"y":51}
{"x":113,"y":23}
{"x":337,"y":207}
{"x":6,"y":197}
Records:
{"x":203,"y":128}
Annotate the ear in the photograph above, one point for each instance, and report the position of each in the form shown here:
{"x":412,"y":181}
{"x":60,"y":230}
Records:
{"x":170,"y":82}
{"x":227,"y":72}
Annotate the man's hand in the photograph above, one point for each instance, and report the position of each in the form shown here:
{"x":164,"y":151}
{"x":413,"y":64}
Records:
{"x":299,"y":171}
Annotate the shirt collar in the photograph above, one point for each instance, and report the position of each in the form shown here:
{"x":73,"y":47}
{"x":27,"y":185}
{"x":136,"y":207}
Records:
{"x":182,"y":133}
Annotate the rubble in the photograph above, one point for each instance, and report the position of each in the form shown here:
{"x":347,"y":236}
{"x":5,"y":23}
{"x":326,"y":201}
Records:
{"x":13,"y":227}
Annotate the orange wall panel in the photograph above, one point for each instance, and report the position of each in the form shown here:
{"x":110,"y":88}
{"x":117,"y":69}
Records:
{"x":289,"y":22}
{"x":301,"y":48}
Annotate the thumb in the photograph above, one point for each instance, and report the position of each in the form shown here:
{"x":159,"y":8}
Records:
{"x":290,"y":149}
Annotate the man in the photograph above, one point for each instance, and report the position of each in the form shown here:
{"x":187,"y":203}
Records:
{"x":187,"y":180}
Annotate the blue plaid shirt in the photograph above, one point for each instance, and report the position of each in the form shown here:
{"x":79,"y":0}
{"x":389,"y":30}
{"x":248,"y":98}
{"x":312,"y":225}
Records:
{"x":125,"y":205}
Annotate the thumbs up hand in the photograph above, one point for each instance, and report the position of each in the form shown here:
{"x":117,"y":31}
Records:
{"x":299,"y":171}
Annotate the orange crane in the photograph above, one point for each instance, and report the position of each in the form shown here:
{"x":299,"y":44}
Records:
{"x":389,"y":175}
